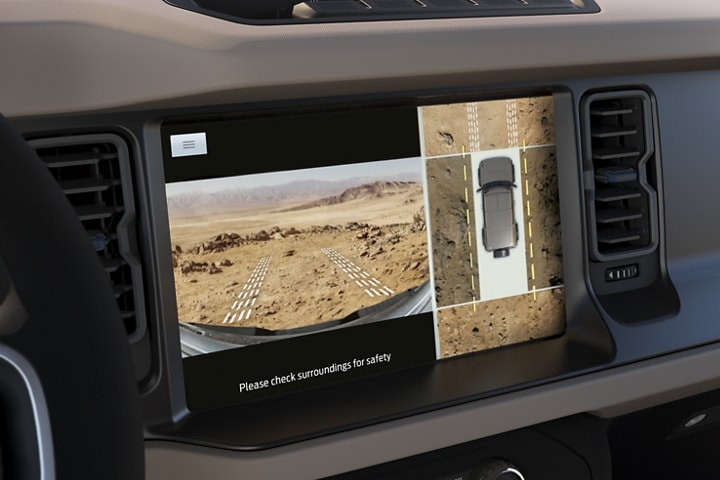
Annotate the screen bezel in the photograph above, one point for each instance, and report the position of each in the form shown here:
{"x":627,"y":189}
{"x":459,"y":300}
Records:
{"x":585,"y":346}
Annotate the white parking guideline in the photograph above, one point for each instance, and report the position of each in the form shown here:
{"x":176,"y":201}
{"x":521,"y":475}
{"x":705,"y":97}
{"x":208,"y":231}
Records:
{"x":362,"y":278}
{"x":241,"y":308}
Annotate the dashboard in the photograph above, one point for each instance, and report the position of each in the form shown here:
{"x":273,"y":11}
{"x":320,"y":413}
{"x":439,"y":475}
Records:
{"x":436,"y":246}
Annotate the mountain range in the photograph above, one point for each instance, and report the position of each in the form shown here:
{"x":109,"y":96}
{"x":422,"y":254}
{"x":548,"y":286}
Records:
{"x":303,"y":192}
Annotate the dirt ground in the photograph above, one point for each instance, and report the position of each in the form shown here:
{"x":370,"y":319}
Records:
{"x":458,"y":128}
{"x":484,"y":325}
{"x":544,"y":252}
{"x":450,"y":133}
{"x":303,"y":283}
{"x":452,"y":235}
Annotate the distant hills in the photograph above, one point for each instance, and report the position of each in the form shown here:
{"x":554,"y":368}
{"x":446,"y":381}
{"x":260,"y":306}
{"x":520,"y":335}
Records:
{"x":368,"y":191}
{"x":306,"y":192}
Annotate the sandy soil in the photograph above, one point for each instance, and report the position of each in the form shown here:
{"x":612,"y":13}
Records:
{"x":450,"y":132}
{"x":303,"y":283}
{"x":544,"y":252}
{"x":451,"y":234}
{"x":484,"y":325}
{"x":458,"y":128}
{"x":536,"y":120}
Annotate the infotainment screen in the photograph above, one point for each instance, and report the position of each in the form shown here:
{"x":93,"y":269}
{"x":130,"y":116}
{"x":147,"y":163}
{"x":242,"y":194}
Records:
{"x":313,"y":248}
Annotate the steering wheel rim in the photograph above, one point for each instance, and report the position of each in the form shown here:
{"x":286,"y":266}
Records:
{"x":69,"y":384}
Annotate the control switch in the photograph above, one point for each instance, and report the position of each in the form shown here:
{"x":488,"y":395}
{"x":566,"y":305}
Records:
{"x":625,"y":272}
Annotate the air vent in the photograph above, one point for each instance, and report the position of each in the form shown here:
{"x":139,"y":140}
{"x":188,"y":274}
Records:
{"x":622,"y":180}
{"x":619,"y":160}
{"x":94,"y":173}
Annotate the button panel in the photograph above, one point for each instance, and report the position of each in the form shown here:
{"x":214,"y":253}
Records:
{"x":625,"y":272}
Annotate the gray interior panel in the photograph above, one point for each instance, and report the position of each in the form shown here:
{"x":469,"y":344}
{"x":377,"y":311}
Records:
{"x":96,"y":66}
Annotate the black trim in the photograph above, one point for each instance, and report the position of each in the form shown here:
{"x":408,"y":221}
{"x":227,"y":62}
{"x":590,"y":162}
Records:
{"x":273,"y":12}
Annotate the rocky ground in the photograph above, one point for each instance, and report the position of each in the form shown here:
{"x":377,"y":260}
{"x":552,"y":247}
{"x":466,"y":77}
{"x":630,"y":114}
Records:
{"x":451,"y":134}
{"x":304,"y":282}
{"x":303,"y":285}
{"x":496,"y":323}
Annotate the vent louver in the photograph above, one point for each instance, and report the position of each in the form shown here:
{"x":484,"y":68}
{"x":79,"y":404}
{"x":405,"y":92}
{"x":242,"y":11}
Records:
{"x":94,"y":173}
{"x":620,"y":176}
{"x":622,"y":181}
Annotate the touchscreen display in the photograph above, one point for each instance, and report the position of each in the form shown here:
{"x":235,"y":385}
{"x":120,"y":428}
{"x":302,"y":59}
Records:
{"x":309,"y":249}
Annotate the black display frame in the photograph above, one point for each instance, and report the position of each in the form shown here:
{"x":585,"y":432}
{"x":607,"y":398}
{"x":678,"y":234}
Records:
{"x":595,"y":342}
{"x":585,"y":346}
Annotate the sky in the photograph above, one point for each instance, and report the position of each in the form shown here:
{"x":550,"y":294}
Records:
{"x":384,"y":169}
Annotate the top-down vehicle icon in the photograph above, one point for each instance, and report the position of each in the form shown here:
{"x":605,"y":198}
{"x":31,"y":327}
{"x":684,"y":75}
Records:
{"x":497,"y":180}
{"x":586,"y":348}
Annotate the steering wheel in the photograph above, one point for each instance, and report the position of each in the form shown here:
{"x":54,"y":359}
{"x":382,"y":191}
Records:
{"x":68,"y":397}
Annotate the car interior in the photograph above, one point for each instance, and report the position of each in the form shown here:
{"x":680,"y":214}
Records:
{"x":245,"y":239}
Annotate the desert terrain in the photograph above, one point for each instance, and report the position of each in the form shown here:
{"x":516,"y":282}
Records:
{"x":466,"y":323}
{"x":452,"y":236}
{"x":496,"y":323}
{"x":544,"y":250}
{"x":295,"y":264}
{"x":490,"y":125}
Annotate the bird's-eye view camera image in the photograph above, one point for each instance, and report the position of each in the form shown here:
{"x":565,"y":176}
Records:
{"x":495,"y":223}
{"x":275,"y":255}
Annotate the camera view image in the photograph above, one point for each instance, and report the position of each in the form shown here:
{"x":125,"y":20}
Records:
{"x":495,"y":223}
{"x":269,"y":256}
